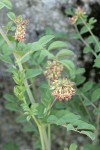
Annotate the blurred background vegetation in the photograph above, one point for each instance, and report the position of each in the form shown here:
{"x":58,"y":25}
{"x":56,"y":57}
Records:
{"x":46,"y":17}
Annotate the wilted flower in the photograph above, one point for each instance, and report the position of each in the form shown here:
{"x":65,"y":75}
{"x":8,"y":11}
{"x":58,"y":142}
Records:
{"x":54,"y":70}
{"x":63,"y":89}
{"x":73,"y":20}
{"x":21,"y":29}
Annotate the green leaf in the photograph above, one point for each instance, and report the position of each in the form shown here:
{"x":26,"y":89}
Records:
{"x":41,"y":110}
{"x":95,"y":95}
{"x":37,"y":145}
{"x":10,"y":98}
{"x":65,"y":148}
{"x":34,"y":108}
{"x":64,"y":52}
{"x":52,"y":119}
{"x":43,"y":54}
{"x":62,"y":116}
{"x":67,"y":118}
{"x":80,"y":71}
{"x":48,"y":31}
{"x":75,"y":36}
{"x":7,"y":50}
{"x":1,"y":5}
{"x":96,"y":47}
{"x":70,"y":67}
{"x":46,"y":96}
{"x":36,"y":46}
{"x":73,"y":147}
{"x":8,"y":26}
{"x":12,"y":107}
{"x":90,"y":40}
{"x":84,"y":30}
{"x":21,"y":119}
{"x":92,"y":20}
{"x":87,"y":86}
{"x":11,"y":15}
{"x":31,"y":73}
{"x":6,"y":59}
{"x":6,"y":3}
{"x":80,"y":79}
{"x":68,"y":64}
{"x":80,"y":22}
{"x":89,"y":134}
{"x":97,"y":61}
{"x":28,"y":118}
{"x":83,"y":125}
{"x":25,"y":59}
{"x":56,"y":44}
{"x":25,"y":107}
{"x":69,"y":12}
{"x":96,"y":111}
{"x":10,"y":146}
{"x":86,"y":102}
{"x":29,"y":128}
{"x":91,"y":147}
{"x":70,"y":127}
{"x":45,"y":39}
{"x":87,"y":49}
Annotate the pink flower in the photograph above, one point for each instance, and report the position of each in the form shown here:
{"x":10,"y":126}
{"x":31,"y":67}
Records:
{"x":63,"y":89}
{"x":54,"y":70}
{"x":20,"y":33}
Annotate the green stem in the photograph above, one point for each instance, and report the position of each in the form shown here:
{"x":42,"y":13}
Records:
{"x":41,"y":138}
{"x":91,"y":32}
{"x":41,"y":132}
{"x":85,"y":109}
{"x":98,"y":127}
{"x":85,"y":43}
{"x":88,"y":100}
{"x":26,"y":84}
{"x":47,"y":144}
{"x":19,"y":65}
{"x":43,"y":135}
{"x":34,"y":89}
{"x":50,"y":107}
{"x":49,"y":134}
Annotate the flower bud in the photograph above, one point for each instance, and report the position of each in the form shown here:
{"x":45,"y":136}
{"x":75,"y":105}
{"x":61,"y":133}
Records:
{"x":73,"y":20}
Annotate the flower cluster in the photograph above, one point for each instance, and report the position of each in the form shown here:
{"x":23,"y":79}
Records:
{"x":54,"y":70}
{"x":63,"y":89}
{"x":79,"y":12}
{"x":21,"y":29}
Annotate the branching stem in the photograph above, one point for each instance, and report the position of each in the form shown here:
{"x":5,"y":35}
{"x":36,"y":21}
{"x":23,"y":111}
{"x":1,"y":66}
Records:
{"x":19,"y":65}
{"x":85,"y":43}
